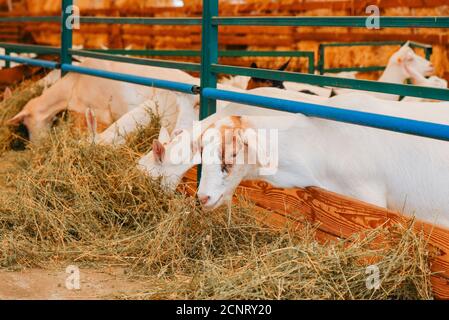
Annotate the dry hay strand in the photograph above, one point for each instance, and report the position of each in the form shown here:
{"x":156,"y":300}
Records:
{"x":141,"y":140}
{"x":268,"y":265}
{"x":71,"y":201}
{"x":10,"y":107}
{"x":68,"y":201}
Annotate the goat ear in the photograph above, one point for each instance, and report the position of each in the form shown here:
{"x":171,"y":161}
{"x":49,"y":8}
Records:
{"x":18,"y":119}
{"x":7,"y":94}
{"x":158,"y":150}
{"x":164,"y":136}
{"x":91,"y":120}
{"x":257,"y":151}
{"x":285,"y":65}
{"x":405,"y":54}
{"x":254,"y":65}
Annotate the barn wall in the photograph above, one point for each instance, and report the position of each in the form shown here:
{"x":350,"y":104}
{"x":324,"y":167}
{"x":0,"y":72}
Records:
{"x":253,"y":38}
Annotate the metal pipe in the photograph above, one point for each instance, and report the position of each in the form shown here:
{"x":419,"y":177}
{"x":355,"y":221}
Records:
{"x":66,"y":33}
{"x":187,"y":66}
{"x":150,"y":82}
{"x":414,"y":127}
{"x":30,"y":19}
{"x":355,"y":22}
{"x":376,"y":86}
{"x":7,"y":53}
{"x":144,"y":21}
{"x":209,"y":56}
{"x":33,"y":62}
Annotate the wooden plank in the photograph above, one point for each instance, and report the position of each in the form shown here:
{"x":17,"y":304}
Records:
{"x":340,"y":216}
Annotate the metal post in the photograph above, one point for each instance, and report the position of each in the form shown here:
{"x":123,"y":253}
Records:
{"x":429,"y":52}
{"x":311,"y":58}
{"x":209,"y":56}
{"x":7,"y":63}
{"x":66,"y":33}
{"x":321,"y":59}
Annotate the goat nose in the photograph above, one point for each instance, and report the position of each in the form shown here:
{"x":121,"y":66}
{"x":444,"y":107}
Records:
{"x":203,"y":199}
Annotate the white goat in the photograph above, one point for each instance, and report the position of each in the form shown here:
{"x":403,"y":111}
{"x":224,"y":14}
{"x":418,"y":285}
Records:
{"x":419,"y":80}
{"x":164,"y":104}
{"x":392,"y":170}
{"x":109,"y":99}
{"x":403,"y":64}
{"x":187,"y":107}
{"x":240,"y":82}
{"x":162,"y":164}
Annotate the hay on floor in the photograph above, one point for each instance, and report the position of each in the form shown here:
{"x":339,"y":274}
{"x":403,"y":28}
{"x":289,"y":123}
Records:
{"x":68,"y":201}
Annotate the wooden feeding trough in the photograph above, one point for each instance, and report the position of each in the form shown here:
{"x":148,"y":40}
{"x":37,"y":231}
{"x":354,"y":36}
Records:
{"x":340,"y":216}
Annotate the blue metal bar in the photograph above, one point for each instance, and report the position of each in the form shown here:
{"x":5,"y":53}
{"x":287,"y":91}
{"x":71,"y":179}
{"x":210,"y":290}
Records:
{"x":66,"y":33}
{"x":150,"y":82}
{"x":33,"y":62}
{"x":414,"y":127}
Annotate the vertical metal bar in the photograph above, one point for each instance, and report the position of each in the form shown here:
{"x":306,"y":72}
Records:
{"x":7,"y":63}
{"x":209,"y":56}
{"x":429,"y":52}
{"x":66,"y":33}
{"x":311,"y":58}
{"x":321,"y":58}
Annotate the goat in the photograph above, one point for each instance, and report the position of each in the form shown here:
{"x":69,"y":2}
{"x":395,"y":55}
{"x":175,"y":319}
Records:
{"x":367,"y":164}
{"x":419,"y":80}
{"x":399,"y":68}
{"x":109,"y":99}
{"x":161,"y":165}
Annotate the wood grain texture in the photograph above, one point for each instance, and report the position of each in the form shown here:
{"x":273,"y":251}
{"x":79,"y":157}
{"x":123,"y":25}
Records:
{"x":338,"y":216}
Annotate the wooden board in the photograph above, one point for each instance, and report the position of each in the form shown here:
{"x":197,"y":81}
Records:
{"x":340,"y":216}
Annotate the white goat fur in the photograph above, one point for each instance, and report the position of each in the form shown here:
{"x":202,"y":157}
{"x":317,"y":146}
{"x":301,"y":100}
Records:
{"x":392,"y":170}
{"x":109,"y":99}
{"x":419,"y":80}
{"x":398,"y":70}
{"x":431,"y":112}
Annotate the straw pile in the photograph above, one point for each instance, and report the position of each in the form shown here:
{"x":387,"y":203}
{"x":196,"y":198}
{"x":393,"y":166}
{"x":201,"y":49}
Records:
{"x":10,"y":107}
{"x":67,"y":201}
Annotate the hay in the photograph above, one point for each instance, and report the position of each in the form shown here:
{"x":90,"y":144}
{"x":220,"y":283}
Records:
{"x":10,"y":107}
{"x":66,"y":201}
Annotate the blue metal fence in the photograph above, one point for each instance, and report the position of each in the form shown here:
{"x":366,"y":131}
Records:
{"x":209,"y":67}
